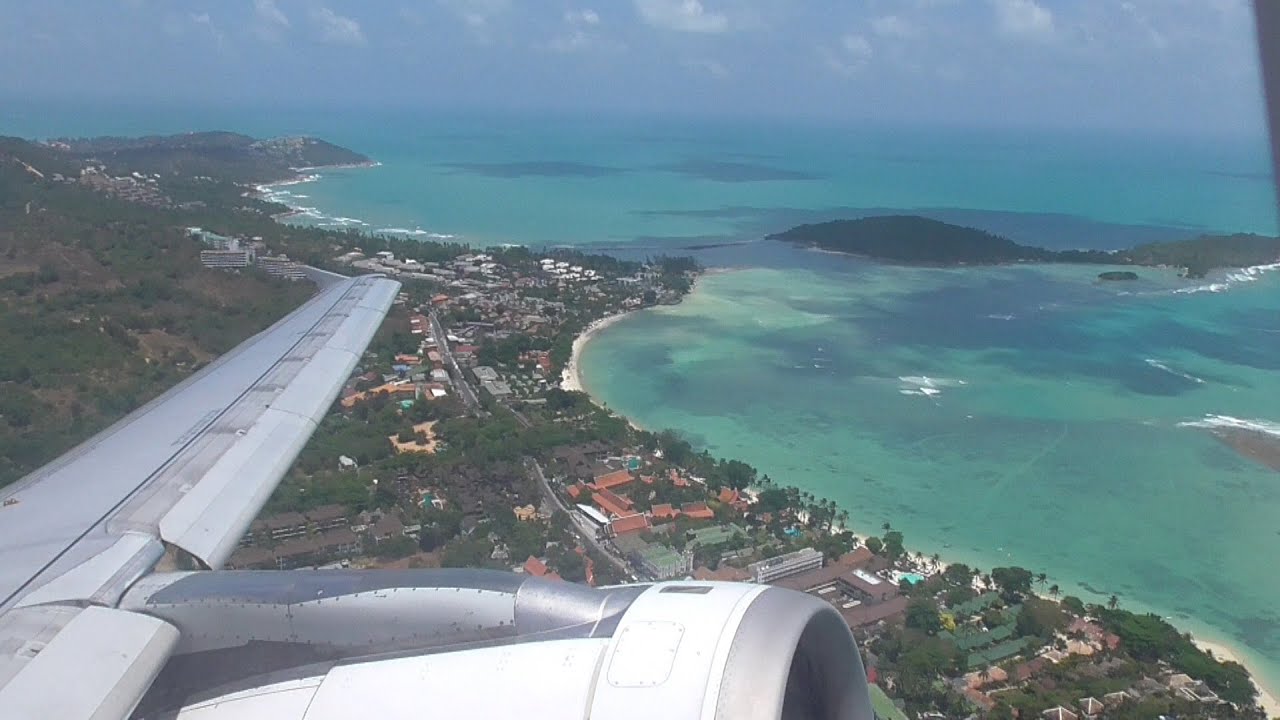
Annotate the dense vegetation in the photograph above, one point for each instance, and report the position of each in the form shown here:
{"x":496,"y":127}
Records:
{"x":1149,"y":638}
{"x":105,"y":304}
{"x":919,"y":240}
{"x":222,"y":155}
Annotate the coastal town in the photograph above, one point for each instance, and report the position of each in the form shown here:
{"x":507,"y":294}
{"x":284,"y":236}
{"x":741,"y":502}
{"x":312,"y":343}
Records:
{"x":464,"y":440}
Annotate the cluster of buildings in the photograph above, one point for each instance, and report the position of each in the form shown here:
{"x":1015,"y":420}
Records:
{"x":470,"y":271}
{"x":982,"y":688}
{"x":564,"y":271}
{"x":229,"y":253}
{"x":329,"y":534}
{"x":134,"y":187}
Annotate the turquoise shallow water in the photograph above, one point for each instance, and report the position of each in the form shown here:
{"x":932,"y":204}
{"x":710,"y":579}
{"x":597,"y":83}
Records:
{"x":1024,"y":415}
{"x":1000,"y":415}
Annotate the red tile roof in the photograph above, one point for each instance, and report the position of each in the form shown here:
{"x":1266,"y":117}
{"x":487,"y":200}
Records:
{"x":629,"y":524}
{"x":979,"y":698}
{"x":574,"y":491}
{"x":609,"y":503}
{"x":728,"y":496}
{"x":617,"y":478}
{"x":535,"y":567}
{"x":697,"y":511}
{"x":664,"y":511}
{"x":620,"y":500}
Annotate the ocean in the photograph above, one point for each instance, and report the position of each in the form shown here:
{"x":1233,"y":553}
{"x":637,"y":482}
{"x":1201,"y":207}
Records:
{"x":1017,"y":415}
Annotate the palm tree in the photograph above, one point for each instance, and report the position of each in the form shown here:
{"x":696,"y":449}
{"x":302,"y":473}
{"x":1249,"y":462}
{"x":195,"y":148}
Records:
{"x":1041,"y":579}
{"x":1053,"y":591}
{"x":886,"y":526}
{"x":936,"y":558}
{"x":1113,"y":602}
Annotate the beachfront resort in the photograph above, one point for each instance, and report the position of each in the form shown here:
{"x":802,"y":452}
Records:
{"x":481,"y":450}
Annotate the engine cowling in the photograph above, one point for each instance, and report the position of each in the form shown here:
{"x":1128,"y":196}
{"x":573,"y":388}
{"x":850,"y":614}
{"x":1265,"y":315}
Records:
{"x":314,"y":645}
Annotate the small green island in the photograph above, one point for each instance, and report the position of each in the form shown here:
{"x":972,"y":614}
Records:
{"x":916,"y":240}
{"x":1114,"y":275}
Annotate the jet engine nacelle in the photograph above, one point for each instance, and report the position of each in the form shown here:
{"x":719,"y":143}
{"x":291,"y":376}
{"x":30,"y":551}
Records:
{"x":665,"y":651}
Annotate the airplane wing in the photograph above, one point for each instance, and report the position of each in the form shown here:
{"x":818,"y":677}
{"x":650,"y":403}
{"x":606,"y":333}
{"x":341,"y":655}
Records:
{"x":178,"y":480}
{"x":112,"y":606}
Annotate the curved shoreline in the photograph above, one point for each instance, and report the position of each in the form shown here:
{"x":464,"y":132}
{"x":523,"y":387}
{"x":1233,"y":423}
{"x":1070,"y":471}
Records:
{"x":571,"y":379}
{"x":571,"y":376}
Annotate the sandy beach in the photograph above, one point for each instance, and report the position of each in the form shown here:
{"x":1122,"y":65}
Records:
{"x":1246,"y":443}
{"x":571,"y":378}
{"x":1267,"y":697}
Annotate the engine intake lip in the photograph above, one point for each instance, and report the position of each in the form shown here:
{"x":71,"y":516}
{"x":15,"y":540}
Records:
{"x":793,"y":657}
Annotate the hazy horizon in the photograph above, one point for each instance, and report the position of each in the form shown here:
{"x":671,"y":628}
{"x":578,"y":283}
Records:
{"x":1181,"y":67}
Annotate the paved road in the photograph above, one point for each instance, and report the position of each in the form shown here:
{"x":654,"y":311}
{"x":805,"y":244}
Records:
{"x":464,"y":389}
{"x":585,"y":530}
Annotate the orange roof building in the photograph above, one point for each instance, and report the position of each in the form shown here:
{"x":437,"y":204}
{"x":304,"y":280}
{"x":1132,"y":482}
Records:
{"x":697,"y":511}
{"x":608,"y":481}
{"x":390,"y":388}
{"x":663,"y":511}
{"x":728,"y":496}
{"x":535,"y":567}
{"x":575,"y":490}
{"x":629,"y":524}
{"x":611,"y":503}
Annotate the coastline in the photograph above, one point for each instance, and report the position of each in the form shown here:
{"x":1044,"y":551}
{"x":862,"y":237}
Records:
{"x":1268,"y":699}
{"x":571,"y":376}
{"x":571,"y":379}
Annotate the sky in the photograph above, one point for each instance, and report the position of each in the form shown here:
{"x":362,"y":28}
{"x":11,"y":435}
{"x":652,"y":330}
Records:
{"x":1178,"y":65}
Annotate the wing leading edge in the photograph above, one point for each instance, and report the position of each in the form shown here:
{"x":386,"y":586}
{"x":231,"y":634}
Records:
{"x":188,"y":470}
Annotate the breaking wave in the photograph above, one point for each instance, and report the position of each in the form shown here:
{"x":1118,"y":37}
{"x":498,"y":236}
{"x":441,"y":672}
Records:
{"x":1226,"y":422}
{"x":926,"y":386}
{"x":1161,"y":366}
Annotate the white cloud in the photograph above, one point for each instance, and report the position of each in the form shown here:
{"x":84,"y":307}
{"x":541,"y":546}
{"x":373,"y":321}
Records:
{"x":714,"y":68}
{"x":204,"y":21}
{"x":580,"y":31}
{"x":893,"y":26}
{"x":854,"y":53}
{"x":681,"y":16}
{"x":476,"y":14}
{"x":337,"y":29}
{"x":586,"y":16}
{"x":1023,"y":17}
{"x":270,"y":19}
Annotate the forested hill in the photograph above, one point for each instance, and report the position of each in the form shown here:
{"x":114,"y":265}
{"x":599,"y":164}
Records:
{"x":911,"y":239}
{"x":104,"y":304}
{"x":918,"y":240}
{"x":220,"y":155}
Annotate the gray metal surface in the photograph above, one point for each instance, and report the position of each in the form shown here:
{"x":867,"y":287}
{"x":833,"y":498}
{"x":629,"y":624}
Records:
{"x":145,"y":473}
{"x":238,"y":628}
{"x":793,"y":657}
